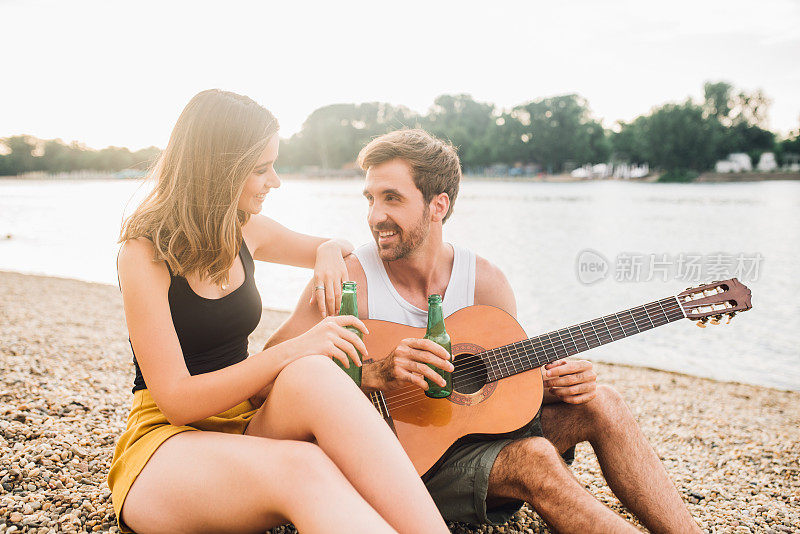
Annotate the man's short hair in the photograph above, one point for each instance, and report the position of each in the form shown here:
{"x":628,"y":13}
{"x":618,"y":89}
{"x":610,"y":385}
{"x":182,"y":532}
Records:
{"x":435,"y":166}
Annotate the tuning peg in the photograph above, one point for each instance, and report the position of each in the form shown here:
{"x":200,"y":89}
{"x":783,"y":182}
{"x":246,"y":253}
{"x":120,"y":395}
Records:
{"x":702,"y":322}
{"x":730,"y":315}
{"x":716,"y":319}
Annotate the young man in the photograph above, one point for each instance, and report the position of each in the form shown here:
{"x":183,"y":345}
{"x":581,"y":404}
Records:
{"x":411,"y":185}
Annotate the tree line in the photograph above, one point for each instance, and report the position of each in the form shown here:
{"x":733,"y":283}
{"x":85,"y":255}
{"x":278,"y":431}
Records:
{"x":25,"y":153}
{"x":555,"y":134}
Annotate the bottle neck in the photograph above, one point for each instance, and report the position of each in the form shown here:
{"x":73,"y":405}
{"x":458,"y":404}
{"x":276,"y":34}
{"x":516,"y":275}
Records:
{"x":435,"y":319}
{"x":349,"y":304}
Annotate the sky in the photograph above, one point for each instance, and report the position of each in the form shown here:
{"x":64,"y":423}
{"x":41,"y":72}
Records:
{"x":119,"y":73}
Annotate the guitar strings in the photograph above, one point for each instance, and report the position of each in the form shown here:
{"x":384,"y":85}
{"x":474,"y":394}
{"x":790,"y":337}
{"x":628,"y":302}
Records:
{"x":398,"y":397}
{"x":516,"y":355}
{"x":465,"y":371}
{"x":674,"y":308}
{"x":378,"y":396}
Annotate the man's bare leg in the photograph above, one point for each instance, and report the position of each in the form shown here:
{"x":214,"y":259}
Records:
{"x":630,"y":465}
{"x":532,"y":470}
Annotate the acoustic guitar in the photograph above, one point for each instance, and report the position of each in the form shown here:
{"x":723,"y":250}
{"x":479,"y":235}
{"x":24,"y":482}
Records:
{"x":497,"y":382}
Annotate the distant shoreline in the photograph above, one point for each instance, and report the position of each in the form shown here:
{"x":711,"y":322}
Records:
{"x":706,"y":177}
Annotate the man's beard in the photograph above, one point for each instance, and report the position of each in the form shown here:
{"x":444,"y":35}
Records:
{"x":410,"y":240}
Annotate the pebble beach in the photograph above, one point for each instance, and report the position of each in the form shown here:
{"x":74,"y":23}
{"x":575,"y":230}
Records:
{"x":733,"y":450}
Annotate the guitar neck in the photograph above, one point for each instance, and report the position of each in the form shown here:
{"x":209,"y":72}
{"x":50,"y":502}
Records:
{"x":522,"y":356}
{"x":515,"y":358}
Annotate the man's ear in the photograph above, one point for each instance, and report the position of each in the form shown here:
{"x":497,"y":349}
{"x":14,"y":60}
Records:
{"x":439,"y":206}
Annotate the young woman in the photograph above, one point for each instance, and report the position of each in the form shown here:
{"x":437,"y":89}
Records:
{"x":319,"y":455}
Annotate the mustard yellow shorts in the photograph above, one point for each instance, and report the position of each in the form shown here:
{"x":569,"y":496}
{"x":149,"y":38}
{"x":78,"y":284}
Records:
{"x":147,"y":429}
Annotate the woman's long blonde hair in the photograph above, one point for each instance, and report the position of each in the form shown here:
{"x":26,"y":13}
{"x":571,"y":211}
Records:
{"x":192,"y":214}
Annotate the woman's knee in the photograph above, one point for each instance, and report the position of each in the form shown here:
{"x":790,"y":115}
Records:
{"x":307,"y":368}
{"x":307,"y":374}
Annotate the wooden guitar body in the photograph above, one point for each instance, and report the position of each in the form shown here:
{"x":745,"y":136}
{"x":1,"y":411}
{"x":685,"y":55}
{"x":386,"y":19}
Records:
{"x":427,"y":427}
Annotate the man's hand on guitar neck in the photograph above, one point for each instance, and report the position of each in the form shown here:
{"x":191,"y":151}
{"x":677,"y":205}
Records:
{"x":406,"y":365}
{"x":571,"y":381}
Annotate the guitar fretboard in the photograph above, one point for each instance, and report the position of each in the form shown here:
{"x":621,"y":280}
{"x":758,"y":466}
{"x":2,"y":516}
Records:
{"x":515,"y":358}
{"x":531,"y":353}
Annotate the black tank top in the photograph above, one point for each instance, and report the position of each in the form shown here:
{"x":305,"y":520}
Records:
{"x":212,"y":332}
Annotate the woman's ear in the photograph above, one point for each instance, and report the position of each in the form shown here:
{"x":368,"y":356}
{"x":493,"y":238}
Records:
{"x":440,"y":204}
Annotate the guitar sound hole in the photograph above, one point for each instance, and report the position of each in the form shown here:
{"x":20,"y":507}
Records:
{"x":470,"y":374}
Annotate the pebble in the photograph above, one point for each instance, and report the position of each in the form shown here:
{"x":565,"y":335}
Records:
{"x":732,"y":450}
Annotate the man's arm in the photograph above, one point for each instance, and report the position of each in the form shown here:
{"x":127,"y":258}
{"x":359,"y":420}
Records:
{"x":492,"y":287}
{"x":305,"y":315}
{"x":571,"y":381}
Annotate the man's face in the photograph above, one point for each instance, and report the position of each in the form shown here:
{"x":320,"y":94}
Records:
{"x":398,"y":214}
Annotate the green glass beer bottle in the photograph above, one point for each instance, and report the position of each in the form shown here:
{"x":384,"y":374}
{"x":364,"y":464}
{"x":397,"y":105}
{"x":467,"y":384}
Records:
{"x":350,"y":307}
{"x":438,"y":335}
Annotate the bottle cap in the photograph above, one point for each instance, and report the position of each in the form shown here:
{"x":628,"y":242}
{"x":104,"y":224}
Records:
{"x":434,"y":299}
{"x":348,"y":286}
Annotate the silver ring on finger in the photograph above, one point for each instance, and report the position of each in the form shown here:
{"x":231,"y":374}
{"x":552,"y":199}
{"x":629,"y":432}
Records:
{"x":319,"y":288}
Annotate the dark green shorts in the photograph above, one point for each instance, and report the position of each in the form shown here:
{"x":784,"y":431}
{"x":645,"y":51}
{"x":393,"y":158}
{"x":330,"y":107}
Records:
{"x":459,"y":486}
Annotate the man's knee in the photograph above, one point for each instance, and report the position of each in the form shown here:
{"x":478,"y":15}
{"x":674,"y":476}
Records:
{"x":524,"y":466}
{"x":609,"y":401}
{"x":607,"y":409}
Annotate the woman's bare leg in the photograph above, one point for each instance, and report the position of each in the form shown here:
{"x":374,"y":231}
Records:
{"x":214,"y":482}
{"x":313,"y":400}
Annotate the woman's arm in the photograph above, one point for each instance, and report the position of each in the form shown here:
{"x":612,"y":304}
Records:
{"x":275,"y":243}
{"x":184,"y":398}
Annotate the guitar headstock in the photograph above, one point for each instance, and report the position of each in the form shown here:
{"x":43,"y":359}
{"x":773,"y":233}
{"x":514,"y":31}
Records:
{"x":709,"y":302}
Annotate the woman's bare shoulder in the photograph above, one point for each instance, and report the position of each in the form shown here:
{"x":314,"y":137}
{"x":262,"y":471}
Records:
{"x":135,"y":261}
{"x":137,"y":252}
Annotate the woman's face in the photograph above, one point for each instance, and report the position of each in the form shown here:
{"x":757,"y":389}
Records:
{"x":261,"y":180}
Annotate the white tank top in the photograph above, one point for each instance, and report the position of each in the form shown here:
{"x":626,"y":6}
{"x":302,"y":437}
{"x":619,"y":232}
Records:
{"x":386,"y":304}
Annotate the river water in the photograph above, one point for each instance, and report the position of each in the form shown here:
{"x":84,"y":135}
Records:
{"x":571,"y":251}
